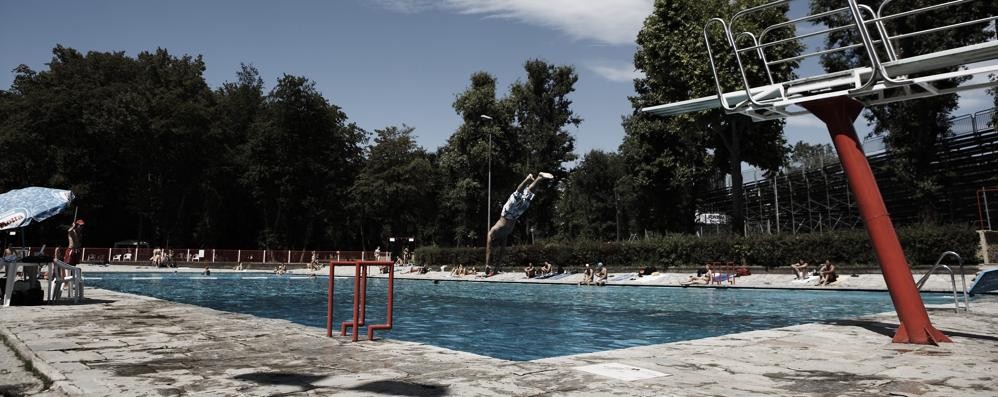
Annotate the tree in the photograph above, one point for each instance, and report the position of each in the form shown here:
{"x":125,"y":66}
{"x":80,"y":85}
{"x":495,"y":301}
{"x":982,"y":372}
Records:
{"x":673,"y":56}
{"x":590,"y":206}
{"x":464,"y":161}
{"x":809,"y":156}
{"x":542,"y":110}
{"x":299,"y":162}
{"x":226,"y":219}
{"x":527,"y":135}
{"x":124,"y":134}
{"x":395,"y":192}
{"x":913,"y":130}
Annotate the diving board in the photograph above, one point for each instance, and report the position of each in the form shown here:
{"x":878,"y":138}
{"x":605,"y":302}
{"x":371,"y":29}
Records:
{"x":778,"y":97}
{"x":884,"y":75}
{"x":877,"y":83}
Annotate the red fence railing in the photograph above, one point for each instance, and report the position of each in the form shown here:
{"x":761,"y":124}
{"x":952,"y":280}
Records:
{"x":111,"y":255}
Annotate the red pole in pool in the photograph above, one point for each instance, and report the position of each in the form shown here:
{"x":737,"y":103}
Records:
{"x":838,"y":114}
{"x":329,"y":303}
{"x":363,"y":296}
{"x":391,"y":304}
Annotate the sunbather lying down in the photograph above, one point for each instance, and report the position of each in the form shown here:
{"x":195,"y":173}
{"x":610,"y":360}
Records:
{"x":697,"y":280}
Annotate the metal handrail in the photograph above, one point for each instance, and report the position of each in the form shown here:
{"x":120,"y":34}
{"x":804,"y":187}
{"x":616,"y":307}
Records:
{"x":956,"y":301}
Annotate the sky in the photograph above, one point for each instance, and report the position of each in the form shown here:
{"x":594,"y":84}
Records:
{"x":384,"y":62}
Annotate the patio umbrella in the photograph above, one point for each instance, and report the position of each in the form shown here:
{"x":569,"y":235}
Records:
{"x":21,"y":207}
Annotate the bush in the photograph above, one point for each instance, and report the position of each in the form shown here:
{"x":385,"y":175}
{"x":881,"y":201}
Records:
{"x":922,"y":246}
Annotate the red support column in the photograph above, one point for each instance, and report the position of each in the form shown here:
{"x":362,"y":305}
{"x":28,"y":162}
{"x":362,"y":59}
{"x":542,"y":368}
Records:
{"x":838,"y":114}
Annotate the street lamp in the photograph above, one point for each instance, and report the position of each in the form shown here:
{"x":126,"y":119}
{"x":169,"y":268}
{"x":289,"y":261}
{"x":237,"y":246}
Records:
{"x":488,"y":200}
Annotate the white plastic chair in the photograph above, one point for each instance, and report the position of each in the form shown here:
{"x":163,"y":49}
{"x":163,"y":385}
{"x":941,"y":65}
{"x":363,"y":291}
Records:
{"x":72,"y":281}
{"x":127,"y":257}
{"x":117,"y":257}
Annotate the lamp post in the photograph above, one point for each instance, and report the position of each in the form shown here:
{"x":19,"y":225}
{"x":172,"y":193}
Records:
{"x":488,"y":200}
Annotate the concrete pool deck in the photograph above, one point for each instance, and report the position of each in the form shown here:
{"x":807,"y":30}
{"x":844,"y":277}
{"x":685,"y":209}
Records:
{"x":123,"y":344}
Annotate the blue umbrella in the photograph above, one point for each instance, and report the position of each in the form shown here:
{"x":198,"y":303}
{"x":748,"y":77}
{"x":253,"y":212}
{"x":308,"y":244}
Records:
{"x":21,"y":207}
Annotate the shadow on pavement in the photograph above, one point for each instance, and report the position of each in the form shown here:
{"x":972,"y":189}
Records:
{"x":400,"y":388}
{"x":306,"y":382}
{"x":281,"y":378}
{"x":888,"y":329}
{"x":86,"y":301}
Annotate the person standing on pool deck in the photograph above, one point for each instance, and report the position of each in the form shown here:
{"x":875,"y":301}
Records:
{"x":74,"y":235}
{"x":73,"y":247}
{"x":515,"y":206}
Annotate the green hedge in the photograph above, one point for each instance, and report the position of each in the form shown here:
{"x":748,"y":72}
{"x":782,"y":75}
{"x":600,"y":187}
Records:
{"x":922,"y":245}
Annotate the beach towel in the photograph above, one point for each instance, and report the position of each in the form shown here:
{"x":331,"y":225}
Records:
{"x":559,"y":276}
{"x":806,"y":280}
{"x":651,"y":279}
{"x":720,"y":278}
{"x":622,"y":277}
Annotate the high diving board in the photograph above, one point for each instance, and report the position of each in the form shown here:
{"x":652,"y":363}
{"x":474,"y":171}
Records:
{"x":878,"y":82}
{"x":850,"y":82}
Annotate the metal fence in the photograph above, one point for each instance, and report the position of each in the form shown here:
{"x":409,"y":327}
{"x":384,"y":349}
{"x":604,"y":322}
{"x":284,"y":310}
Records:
{"x":817,"y":198}
{"x":981,"y":121}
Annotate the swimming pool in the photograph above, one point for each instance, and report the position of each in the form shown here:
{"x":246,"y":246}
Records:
{"x":508,"y":320}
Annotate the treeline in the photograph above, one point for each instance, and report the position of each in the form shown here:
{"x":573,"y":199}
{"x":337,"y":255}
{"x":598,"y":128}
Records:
{"x":153,"y":153}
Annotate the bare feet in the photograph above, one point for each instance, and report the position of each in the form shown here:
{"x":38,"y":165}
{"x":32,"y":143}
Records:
{"x":546,"y":175}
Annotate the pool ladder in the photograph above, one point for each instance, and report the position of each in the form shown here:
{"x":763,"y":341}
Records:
{"x":939,"y":265}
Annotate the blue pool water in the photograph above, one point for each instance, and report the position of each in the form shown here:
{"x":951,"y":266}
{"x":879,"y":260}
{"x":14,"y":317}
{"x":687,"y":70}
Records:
{"x":511,"y":321}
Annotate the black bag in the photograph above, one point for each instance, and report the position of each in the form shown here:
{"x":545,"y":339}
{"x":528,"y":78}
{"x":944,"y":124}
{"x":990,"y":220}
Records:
{"x":30,"y":296}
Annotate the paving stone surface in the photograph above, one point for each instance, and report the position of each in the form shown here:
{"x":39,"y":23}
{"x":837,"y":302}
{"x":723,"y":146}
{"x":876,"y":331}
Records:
{"x":121,"y":344}
{"x":17,"y":380}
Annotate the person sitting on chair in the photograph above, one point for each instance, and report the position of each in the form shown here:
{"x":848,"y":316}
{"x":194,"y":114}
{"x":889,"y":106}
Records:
{"x":515,"y":206}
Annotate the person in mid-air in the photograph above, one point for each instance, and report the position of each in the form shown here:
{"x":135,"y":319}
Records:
{"x":515,"y":206}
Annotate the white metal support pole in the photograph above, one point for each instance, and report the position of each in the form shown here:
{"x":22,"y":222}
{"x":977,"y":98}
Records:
{"x":776,"y":199}
{"x":488,"y":197}
{"x":488,"y":200}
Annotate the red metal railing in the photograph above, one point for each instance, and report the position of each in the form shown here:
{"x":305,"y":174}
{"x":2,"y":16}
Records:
{"x":143,"y":254}
{"x":360,"y":298}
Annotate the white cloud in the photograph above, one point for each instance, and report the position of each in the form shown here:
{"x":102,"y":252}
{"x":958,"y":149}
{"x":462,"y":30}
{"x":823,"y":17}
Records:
{"x":804,"y":121}
{"x":405,"y":6}
{"x":623,"y":73}
{"x":603,"y":21}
